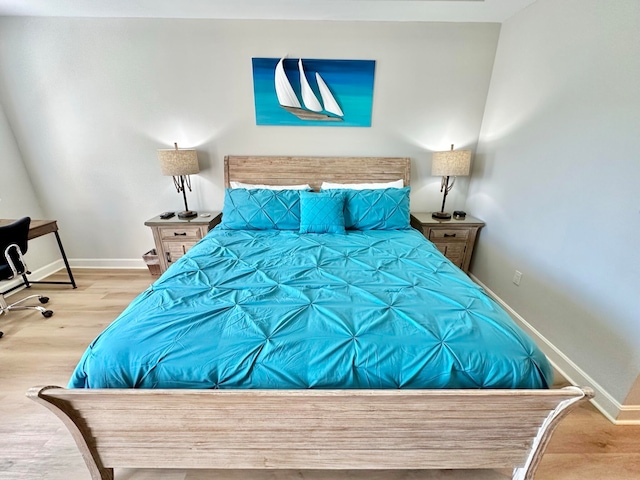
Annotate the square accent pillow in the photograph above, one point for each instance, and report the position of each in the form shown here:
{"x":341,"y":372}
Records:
{"x":260,"y":209}
{"x":321,"y":213}
{"x":380,"y":209}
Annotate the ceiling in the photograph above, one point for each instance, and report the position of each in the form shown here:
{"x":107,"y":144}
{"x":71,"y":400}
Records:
{"x":340,"y":10}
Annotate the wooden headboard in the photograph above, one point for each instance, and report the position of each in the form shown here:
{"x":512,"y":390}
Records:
{"x":273,"y":170}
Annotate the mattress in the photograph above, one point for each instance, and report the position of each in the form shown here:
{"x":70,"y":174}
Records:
{"x":277,"y":309}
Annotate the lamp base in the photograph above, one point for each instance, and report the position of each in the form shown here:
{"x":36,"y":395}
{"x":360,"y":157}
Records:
{"x":441,"y":215}
{"x":187,"y":214}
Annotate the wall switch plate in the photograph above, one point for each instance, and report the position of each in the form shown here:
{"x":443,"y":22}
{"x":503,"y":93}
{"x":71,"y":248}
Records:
{"x":516,"y":277}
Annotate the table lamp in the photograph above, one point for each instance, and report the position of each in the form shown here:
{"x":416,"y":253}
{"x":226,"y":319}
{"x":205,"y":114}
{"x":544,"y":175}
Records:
{"x":179,"y":164}
{"x":452,"y":163}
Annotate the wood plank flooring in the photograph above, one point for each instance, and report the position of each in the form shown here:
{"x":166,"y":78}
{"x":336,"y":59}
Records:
{"x":38,"y":351}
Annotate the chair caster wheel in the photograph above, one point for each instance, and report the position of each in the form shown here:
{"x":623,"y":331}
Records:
{"x":43,"y":299}
{"x":47,"y":313}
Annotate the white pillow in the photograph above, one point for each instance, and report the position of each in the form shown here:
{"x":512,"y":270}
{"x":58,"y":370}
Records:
{"x":363,"y":186}
{"x":251,"y":186}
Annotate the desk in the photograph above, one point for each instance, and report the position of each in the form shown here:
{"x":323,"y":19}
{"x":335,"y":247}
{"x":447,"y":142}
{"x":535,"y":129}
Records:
{"x":38,"y":228}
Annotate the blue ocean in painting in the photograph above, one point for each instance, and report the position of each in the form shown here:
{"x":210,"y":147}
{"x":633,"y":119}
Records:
{"x":350,"y":82}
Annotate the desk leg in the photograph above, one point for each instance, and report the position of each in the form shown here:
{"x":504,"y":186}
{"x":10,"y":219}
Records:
{"x":64,"y":257}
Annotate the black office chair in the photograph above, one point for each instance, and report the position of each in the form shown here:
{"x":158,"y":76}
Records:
{"x":13,"y":245}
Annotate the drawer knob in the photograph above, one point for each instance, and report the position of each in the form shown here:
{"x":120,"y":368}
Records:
{"x":184,"y":234}
{"x":449,"y":235}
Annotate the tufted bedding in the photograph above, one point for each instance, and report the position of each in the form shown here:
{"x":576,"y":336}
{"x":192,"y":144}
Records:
{"x":276,"y":309}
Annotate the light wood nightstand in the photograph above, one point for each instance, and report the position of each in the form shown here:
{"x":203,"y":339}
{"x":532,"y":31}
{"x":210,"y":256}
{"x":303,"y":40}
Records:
{"x":454,"y":238}
{"x":174,"y":237}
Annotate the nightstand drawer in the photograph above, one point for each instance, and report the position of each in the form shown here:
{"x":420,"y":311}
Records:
{"x":181,"y":233}
{"x":457,"y":261}
{"x":439,"y":234}
{"x":451,"y":250}
{"x":455,"y":255}
{"x":175,"y":250}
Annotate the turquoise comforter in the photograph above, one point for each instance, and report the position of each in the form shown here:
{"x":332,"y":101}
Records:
{"x":279,"y":309}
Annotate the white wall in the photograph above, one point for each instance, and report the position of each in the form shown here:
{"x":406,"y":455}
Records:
{"x":556,"y":180}
{"x":17,"y":196}
{"x":91,"y":100}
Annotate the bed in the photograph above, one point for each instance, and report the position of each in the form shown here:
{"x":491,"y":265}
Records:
{"x":298,"y":346}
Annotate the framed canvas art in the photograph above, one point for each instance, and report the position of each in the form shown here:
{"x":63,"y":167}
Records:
{"x":312,"y":92}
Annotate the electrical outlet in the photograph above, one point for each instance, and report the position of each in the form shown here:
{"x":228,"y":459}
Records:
{"x":516,"y":277}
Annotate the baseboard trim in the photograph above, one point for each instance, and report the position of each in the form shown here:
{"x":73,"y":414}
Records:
{"x":612,"y":409}
{"x":78,"y":263}
{"x":36,"y":275}
{"x":629,"y":415}
{"x":117,"y":263}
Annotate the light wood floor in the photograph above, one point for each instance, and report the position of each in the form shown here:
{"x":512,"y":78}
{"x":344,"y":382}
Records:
{"x":38,"y":351}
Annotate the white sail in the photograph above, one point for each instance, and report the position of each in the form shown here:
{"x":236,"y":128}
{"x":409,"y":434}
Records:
{"x":309,"y":98}
{"x":284,"y":90}
{"x":330,"y":104}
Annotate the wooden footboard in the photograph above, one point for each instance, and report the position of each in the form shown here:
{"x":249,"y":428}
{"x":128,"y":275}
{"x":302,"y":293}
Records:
{"x":310,"y":429}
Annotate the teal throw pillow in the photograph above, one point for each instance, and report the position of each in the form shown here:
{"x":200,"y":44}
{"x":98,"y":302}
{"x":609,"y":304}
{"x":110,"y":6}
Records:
{"x":321,"y":213}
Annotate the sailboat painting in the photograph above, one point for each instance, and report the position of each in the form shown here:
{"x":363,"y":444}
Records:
{"x":311,"y":92}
